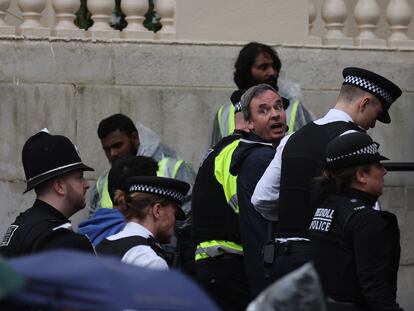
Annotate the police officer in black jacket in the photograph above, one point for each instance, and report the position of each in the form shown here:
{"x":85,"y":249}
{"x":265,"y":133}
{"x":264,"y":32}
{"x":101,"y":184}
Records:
{"x":355,"y":248}
{"x":54,"y":169}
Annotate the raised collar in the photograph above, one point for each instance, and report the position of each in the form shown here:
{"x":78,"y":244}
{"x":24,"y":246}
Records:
{"x":362,"y":196}
{"x":47,"y":208}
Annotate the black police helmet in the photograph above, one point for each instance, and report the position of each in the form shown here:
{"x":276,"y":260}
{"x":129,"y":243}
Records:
{"x":45,"y":156}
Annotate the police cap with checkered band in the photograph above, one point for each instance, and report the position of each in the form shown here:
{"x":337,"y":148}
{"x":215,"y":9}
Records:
{"x":46,"y":156}
{"x":385,"y":90}
{"x":171,"y":189}
{"x":351,"y":149}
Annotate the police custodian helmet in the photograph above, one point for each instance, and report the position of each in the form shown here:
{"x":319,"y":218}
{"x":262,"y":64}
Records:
{"x":351,"y":149}
{"x":45,"y":156}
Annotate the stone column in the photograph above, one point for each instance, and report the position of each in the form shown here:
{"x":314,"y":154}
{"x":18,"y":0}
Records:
{"x":367,"y":15}
{"x":166,"y":10}
{"x":101,"y":11}
{"x":65,"y":15}
{"x":134,"y":11}
{"x":399,"y":16}
{"x":5,"y":29}
{"x":334,"y":14}
{"x":31,"y":13}
{"x":312,"y":39}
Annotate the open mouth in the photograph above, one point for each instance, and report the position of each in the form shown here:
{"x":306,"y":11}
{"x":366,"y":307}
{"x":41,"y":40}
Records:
{"x":276,"y":126}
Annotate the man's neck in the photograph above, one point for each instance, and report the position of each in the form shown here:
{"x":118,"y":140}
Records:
{"x":54,"y":202}
{"x":347,"y":108}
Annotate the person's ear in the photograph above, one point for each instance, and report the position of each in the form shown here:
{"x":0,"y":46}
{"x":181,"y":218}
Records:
{"x":361,"y":177}
{"x":250,"y":125}
{"x":363,"y":103}
{"x":135,"y":139}
{"x":59,"y":186}
{"x":157,"y":210}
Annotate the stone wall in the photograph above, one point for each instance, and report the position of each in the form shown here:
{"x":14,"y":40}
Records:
{"x":175,"y":89}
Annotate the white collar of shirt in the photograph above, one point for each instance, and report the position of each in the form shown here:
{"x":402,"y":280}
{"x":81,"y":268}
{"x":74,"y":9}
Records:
{"x":334,"y":115}
{"x":131,"y":229}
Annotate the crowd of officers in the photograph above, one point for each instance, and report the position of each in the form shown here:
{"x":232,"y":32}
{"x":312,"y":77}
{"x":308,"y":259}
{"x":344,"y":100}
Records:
{"x":275,"y":190}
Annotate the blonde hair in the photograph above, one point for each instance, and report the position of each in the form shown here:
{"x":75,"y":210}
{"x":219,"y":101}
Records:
{"x":136,"y":204}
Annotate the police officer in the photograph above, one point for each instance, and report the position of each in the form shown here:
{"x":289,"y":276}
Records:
{"x":219,"y":254}
{"x":108,"y":221}
{"x":284,"y":193}
{"x":151,"y":206}
{"x":54,"y":169}
{"x":355,"y":248}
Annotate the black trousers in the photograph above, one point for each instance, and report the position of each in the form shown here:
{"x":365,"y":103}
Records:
{"x":224,"y":279}
{"x":289,"y":257}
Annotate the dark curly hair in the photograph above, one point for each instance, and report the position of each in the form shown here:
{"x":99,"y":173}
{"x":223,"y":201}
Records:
{"x":247,"y":56}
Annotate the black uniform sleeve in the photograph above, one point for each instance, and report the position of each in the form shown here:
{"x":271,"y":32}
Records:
{"x":373,"y":252}
{"x":64,"y":238}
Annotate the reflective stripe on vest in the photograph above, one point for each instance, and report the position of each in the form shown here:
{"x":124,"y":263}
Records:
{"x":226,"y":120}
{"x":293,"y":117}
{"x":102,"y":187}
{"x":216,"y":248}
{"x":223,"y":176}
{"x":168,"y":167}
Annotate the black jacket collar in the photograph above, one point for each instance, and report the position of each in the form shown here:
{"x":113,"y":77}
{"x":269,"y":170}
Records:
{"x":48,"y":209}
{"x":364,"y":197}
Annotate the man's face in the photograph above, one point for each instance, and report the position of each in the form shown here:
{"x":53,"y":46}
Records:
{"x":268,"y":118}
{"x":75,"y":190}
{"x":166,"y":223}
{"x":264,"y":71}
{"x":372,"y":110}
{"x":118,"y":144}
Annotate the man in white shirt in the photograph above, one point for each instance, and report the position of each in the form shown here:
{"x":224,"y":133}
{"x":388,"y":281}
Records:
{"x":284,"y":193}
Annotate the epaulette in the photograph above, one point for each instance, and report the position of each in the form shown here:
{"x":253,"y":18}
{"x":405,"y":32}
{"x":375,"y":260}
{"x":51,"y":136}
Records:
{"x":356,"y":205}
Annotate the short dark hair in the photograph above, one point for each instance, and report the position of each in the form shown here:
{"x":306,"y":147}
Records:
{"x":116,"y":122}
{"x":247,"y":56}
{"x":129,"y":166}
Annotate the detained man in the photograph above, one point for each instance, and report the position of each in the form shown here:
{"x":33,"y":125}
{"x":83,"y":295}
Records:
{"x":264,"y":111}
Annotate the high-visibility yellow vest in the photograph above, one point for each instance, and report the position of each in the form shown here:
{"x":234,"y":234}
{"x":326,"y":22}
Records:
{"x":222,"y":163}
{"x":222,"y":173}
{"x":214,"y":248}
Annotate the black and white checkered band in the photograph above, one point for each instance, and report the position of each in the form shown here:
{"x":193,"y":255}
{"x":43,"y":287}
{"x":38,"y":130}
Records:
{"x":237,"y":107}
{"x":372,"y":87}
{"x":165,"y":192}
{"x":371,"y":149}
